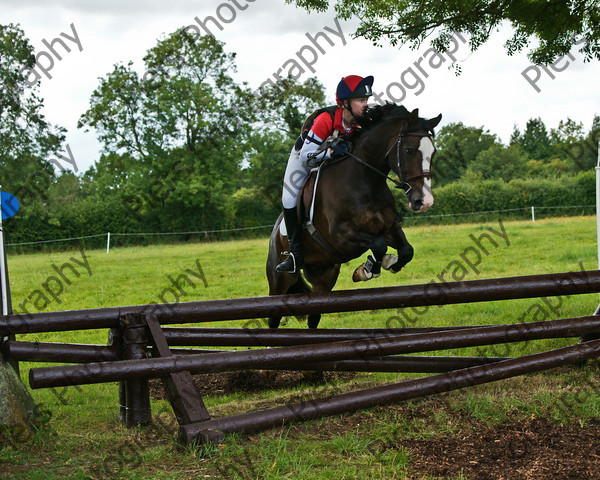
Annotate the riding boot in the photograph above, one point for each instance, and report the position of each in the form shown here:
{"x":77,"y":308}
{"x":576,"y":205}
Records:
{"x":295,"y":260}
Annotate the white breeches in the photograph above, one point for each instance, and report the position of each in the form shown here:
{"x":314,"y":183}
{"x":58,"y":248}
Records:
{"x":295,"y":174}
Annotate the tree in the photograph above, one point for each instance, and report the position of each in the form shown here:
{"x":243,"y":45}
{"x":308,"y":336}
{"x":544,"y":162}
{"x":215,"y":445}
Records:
{"x":285,"y":105}
{"x":457,"y":149}
{"x":535,"y":141}
{"x":282,"y":110}
{"x":27,"y":140}
{"x":588,"y":153}
{"x":516,"y":137}
{"x":500,"y":163}
{"x":173,"y":139}
{"x":549,"y":28}
{"x":568,"y":143}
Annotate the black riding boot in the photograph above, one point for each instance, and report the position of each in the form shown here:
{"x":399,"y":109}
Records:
{"x":295,"y":260}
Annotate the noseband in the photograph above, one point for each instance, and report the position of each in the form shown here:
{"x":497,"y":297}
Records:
{"x":404,"y":182}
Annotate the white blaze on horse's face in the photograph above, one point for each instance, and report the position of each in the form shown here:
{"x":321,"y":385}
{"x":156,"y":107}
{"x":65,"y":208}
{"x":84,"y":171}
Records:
{"x":427,"y":150}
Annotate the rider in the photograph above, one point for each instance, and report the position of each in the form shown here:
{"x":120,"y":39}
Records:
{"x":351,"y":97}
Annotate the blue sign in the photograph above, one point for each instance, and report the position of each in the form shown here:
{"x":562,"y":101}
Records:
{"x":10,"y":205}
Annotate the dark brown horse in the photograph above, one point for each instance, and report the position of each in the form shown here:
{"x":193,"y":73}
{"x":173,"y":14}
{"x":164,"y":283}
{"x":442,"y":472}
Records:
{"x":355,"y":211}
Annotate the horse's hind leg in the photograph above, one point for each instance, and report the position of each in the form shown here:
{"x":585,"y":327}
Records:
{"x":322,"y":278}
{"x":274,"y":321}
{"x":313,"y":320}
{"x":280,"y":284}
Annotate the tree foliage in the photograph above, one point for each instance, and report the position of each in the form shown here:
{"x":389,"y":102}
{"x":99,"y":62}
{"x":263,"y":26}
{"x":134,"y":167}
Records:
{"x":283,"y":107}
{"x":457,"y":149}
{"x":535,"y":140}
{"x":281,"y":111}
{"x":549,"y":28}
{"x":186,"y":148}
{"x":173,"y":140}
{"x":27,"y":140}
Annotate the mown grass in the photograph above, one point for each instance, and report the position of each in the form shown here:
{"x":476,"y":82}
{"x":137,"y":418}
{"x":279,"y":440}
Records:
{"x":83,"y":438}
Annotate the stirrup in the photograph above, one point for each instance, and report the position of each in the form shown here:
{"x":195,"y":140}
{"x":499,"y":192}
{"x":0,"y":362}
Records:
{"x":293,"y":257}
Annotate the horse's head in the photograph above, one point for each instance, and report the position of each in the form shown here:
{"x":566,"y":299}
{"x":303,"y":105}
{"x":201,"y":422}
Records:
{"x":410,"y":152}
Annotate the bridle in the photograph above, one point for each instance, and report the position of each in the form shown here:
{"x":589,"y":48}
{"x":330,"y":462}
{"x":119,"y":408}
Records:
{"x":404,"y":182}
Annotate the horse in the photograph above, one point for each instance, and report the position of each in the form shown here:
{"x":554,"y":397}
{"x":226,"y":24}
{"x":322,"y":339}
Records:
{"x":354,"y":209}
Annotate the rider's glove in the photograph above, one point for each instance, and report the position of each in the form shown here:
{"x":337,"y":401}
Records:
{"x":339,"y":150}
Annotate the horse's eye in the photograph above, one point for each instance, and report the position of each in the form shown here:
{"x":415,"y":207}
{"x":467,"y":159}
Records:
{"x":409,"y":151}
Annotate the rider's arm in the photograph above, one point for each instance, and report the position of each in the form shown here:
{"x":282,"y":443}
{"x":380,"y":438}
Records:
{"x":320,"y":130}
{"x":309,"y":148}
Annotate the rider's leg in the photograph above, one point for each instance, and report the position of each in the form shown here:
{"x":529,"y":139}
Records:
{"x":295,"y":174}
{"x":295,"y":259}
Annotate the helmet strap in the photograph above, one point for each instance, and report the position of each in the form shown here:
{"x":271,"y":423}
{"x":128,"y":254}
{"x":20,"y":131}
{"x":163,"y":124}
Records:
{"x":349,"y":107}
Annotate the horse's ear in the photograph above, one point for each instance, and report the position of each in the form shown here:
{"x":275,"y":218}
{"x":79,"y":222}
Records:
{"x":433,"y":122}
{"x":414,"y":115}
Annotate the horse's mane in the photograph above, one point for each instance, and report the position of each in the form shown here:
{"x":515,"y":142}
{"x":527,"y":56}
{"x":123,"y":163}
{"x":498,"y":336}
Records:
{"x":378,"y":113}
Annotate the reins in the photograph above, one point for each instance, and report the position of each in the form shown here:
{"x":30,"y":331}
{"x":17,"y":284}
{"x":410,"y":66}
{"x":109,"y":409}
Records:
{"x":393,"y":180}
{"x":403,"y":183}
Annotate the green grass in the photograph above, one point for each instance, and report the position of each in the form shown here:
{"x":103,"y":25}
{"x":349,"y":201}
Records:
{"x":83,"y":438}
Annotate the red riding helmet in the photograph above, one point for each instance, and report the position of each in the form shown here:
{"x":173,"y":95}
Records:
{"x":353,"y":86}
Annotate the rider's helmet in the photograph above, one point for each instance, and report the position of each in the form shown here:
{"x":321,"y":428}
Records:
{"x":353,"y":86}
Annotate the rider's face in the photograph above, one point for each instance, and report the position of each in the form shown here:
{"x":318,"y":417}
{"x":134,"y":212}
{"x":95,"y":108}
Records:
{"x":359,"y":106}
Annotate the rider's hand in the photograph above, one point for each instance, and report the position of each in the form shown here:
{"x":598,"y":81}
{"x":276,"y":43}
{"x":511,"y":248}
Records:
{"x":339,"y":150}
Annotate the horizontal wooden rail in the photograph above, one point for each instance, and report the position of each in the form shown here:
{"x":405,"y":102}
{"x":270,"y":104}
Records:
{"x":213,"y":430}
{"x":283,"y":337}
{"x":75,"y":353}
{"x":432,"y":293}
{"x":303,"y":354}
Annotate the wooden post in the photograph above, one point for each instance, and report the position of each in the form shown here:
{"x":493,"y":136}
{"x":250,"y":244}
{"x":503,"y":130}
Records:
{"x":183,"y":394}
{"x":115,"y":339}
{"x":137,"y":392}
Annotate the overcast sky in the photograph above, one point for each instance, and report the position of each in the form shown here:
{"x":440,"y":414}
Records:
{"x":267,"y":35}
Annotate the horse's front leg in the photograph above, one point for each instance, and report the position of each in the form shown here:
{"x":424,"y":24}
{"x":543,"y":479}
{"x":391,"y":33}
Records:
{"x":372,"y":267}
{"x":396,"y":239}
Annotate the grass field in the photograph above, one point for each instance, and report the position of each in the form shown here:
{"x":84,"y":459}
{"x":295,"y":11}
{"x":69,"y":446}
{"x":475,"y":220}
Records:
{"x":83,"y":439}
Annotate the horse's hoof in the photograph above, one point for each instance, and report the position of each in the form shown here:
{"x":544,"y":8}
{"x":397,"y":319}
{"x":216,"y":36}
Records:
{"x":274,"y":322}
{"x":361,"y":274}
{"x":313,"y":321}
{"x":388,"y":261}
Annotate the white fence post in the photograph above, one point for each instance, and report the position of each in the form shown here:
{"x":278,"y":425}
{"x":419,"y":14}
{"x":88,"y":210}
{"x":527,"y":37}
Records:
{"x":532,"y":213}
{"x":107,"y":243}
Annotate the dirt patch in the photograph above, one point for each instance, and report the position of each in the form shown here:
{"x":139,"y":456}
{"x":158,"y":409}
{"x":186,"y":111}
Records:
{"x":517,"y":449}
{"x":536,"y":449}
{"x":250,"y":381}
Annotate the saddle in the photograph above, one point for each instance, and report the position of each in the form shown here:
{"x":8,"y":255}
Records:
{"x":306,"y":207}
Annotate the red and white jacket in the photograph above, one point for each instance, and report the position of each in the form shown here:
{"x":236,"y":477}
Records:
{"x":321,"y":129}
